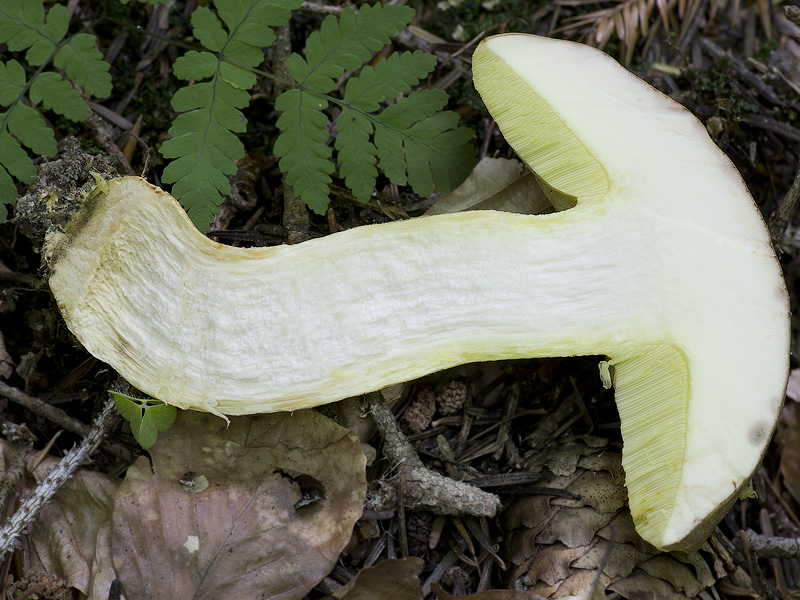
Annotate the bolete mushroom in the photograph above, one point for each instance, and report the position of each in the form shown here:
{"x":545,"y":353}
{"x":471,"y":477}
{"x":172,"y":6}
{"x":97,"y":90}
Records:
{"x":663,"y":264}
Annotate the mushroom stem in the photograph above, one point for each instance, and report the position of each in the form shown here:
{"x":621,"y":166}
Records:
{"x":202,"y":325}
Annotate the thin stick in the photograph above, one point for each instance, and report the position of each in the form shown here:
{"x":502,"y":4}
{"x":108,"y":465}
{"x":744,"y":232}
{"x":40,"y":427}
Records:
{"x":43,"y":409}
{"x":60,"y":418}
{"x":44,"y":492}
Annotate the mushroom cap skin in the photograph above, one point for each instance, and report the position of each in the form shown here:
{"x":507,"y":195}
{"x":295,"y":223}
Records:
{"x":663,"y":264}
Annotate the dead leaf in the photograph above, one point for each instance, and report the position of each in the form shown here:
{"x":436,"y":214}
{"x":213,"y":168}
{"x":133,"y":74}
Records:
{"x":496,"y":184}
{"x":240,"y":536}
{"x":6,"y":362}
{"x":586,"y":534}
{"x":66,"y":538}
{"x":788,"y":440}
{"x":488,"y":595}
{"x":388,"y":580}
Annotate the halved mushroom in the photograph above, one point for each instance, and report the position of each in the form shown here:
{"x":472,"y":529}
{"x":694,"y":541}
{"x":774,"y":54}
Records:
{"x":664,"y":265}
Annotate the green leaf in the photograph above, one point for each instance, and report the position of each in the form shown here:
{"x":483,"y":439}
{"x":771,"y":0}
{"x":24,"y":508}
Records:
{"x":208,"y":30}
{"x":345,"y":45}
{"x":356,"y":153}
{"x":419,"y":145}
{"x":390,"y":78}
{"x":15,"y":159}
{"x":195,"y":65}
{"x":301,"y":145}
{"x":59,"y":96}
{"x":147,"y":417}
{"x":12,"y":82}
{"x":84,"y":63}
{"x":29,"y":128}
{"x":202,"y":141}
{"x":22,"y":27}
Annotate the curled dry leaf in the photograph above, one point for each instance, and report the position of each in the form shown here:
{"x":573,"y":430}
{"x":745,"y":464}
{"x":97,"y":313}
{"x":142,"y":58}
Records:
{"x":388,"y":580}
{"x":496,"y":184}
{"x":558,"y":542}
{"x":214,"y":515}
{"x":70,"y":536}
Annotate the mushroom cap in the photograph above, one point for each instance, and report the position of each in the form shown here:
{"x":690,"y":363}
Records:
{"x":698,"y":409}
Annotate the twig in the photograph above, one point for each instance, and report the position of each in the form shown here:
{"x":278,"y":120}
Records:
{"x":58,"y":416}
{"x":45,"y":491}
{"x":765,"y":546}
{"x":742,"y":72}
{"x":43,"y":409}
{"x":21,"y":435}
{"x":424,"y":488}
{"x":779,"y":219}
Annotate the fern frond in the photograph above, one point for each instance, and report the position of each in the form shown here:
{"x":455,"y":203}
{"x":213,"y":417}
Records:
{"x":418,"y":143}
{"x":203,"y":141}
{"x":25,"y":27}
{"x":23,"y":122}
{"x":345,"y":45}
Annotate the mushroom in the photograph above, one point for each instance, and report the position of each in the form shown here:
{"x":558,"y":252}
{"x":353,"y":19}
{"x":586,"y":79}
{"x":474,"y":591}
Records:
{"x":663,"y":264}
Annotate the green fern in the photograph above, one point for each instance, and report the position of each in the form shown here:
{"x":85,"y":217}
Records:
{"x":24,"y":27}
{"x":415,"y":143}
{"x":203,"y":139}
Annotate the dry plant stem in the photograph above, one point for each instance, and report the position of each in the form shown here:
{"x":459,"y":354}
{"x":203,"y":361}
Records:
{"x":775,"y":564}
{"x":742,"y":72}
{"x":106,"y":142}
{"x":512,"y":402}
{"x":45,"y":491}
{"x":765,"y":546}
{"x":59,"y":417}
{"x":19,"y":434}
{"x":732,"y":558}
{"x":423,"y":488}
{"x":779,"y":219}
{"x":43,"y":409}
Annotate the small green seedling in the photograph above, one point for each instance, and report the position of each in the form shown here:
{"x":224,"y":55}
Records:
{"x":147,"y":417}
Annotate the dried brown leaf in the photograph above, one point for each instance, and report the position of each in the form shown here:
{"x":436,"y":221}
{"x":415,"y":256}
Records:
{"x":679,"y":575}
{"x":574,"y":526}
{"x":215,"y":516}
{"x":641,"y":585}
{"x":388,"y":580}
{"x":584,"y":543}
{"x":552,"y":563}
{"x":488,"y":595}
{"x":621,"y":562}
{"x":67,"y":537}
{"x":6,"y":362}
{"x":596,"y":489}
{"x":788,"y":440}
{"x":496,"y":184}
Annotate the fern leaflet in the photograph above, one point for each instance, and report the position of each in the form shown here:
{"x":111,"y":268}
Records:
{"x":203,"y":141}
{"x":426,"y":132}
{"x":25,"y":27}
